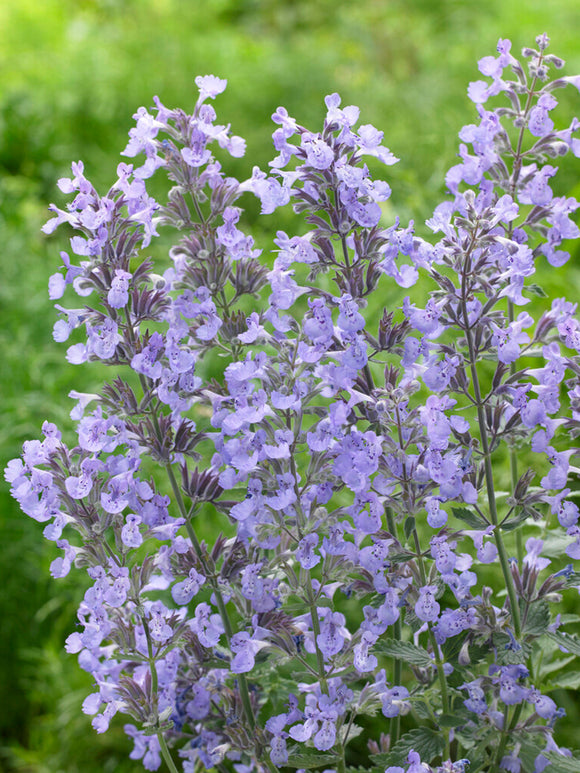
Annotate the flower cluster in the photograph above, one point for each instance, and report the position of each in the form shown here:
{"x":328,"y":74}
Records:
{"x":353,"y":460}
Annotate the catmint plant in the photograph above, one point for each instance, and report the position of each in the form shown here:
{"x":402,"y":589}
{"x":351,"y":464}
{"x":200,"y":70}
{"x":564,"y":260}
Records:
{"x":305,"y":520}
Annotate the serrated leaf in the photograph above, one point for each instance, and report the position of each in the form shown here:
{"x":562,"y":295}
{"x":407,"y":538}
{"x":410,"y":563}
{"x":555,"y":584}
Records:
{"x":528,"y":753}
{"x":530,"y":749}
{"x":511,"y":657}
{"x":361,"y":769}
{"x":477,"y":760}
{"x":403,"y":650}
{"x":556,"y":543}
{"x":469,"y":517}
{"x":513,"y":523}
{"x":453,"y":646}
{"x":400,"y":558}
{"x":452,"y":720}
{"x":568,"y":641}
{"x":561,"y":764}
{"x":426,"y":742}
{"x":409,"y":526}
{"x":310,"y":761}
{"x":538,"y":618}
{"x":475,"y":652}
{"x":567,"y":619}
{"x":412,"y":621}
{"x":572,"y":580}
{"x":506,"y":655}
{"x":421,"y":709}
{"x":568,"y":681}
{"x":555,"y":665}
{"x":353,"y":732}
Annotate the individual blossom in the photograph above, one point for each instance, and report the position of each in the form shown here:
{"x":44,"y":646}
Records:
{"x":426,"y":608}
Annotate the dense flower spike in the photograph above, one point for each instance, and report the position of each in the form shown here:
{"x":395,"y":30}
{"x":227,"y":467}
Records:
{"x":352,"y":463}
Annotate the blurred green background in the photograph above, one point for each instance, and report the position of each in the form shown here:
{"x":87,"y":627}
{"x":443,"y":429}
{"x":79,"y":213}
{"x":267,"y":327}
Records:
{"x":72,"y":74}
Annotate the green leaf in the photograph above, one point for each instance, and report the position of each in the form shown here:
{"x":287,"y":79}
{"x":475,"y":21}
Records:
{"x":310,"y":761}
{"x":409,"y":526}
{"x":561,"y":764}
{"x":353,"y":732}
{"x":400,"y":558}
{"x":572,"y":580}
{"x":554,"y":665}
{"x":469,"y":517}
{"x":452,"y":720}
{"x":556,"y":543}
{"x":567,"y":681}
{"x":567,"y":619}
{"x":513,"y":523}
{"x":412,"y":621}
{"x":426,"y":742}
{"x":421,"y":709}
{"x":512,"y":657}
{"x":528,"y":753}
{"x":453,"y":646}
{"x":538,"y":618}
{"x":507,"y":656}
{"x":566,"y":640}
{"x":361,"y":769}
{"x":530,"y":749}
{"x":535,"y":289}
{"x":403,"y":650}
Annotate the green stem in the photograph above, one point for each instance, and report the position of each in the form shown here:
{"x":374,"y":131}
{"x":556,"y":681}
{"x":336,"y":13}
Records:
{"x":165,"y":753}
{"x":486,"y":452}
{"x":489,"y":482}
{"x":151,"y":658}
{"x":514,"y":460}
{"x":436,"y":650}
{"x":316,"y":628}
{"x":186,"y":514}
{"x":154,"y":687}
{"x":309,"y":589}
{"x":395,"y":725}
{"x":241,"y":678}
{"x":423,"y":573}
{"x":242,"y":682}
{"x":507,"y":730}
{"x":514,"y":181}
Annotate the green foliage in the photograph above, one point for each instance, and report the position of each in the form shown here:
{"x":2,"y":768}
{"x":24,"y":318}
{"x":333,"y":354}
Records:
{"x":405,"y":651}
{"x":567,"y":681}
{"x":426,"y":742}
{"x":469,"y":517}
{"x":567,"y":642}
{"x":560,"y":764}
{"x":310,"y":761}
{"x":537,"y":619}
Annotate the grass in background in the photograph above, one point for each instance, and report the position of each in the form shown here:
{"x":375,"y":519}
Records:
{"x":73,"y":72}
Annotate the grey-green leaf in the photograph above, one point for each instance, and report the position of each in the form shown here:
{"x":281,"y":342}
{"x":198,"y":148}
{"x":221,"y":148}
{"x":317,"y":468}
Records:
{"x":409,"y":526}
{"x":426,"y":742}
{"x":538,"y":618}
{"x":567,"y":681}
{"x":469,"y":517}
{"x":568,"y":641}
{"x":403,"y":650}
{"x":310,"y":761}
{"x":561,"y":764}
